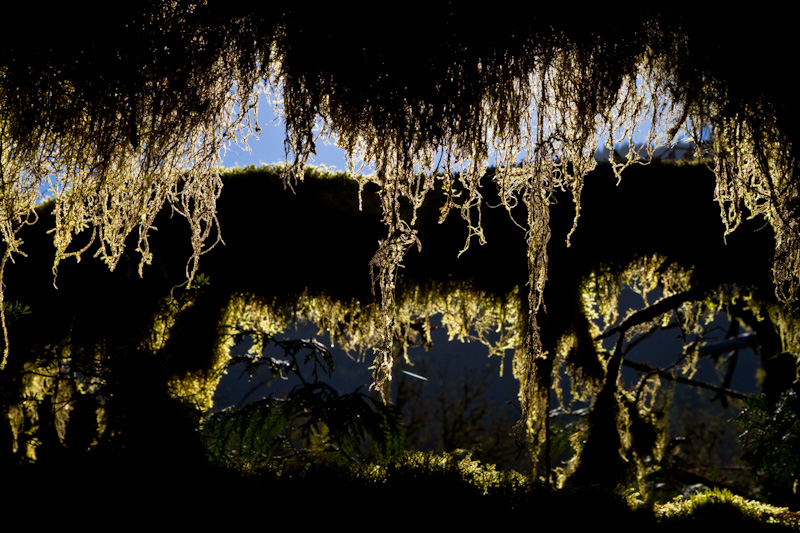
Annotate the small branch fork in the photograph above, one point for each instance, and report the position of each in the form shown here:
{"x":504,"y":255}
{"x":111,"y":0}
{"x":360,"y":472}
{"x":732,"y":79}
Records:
{"x":646,"y":315}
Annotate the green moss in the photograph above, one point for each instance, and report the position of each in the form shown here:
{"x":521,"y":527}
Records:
{"x":722,"y":508}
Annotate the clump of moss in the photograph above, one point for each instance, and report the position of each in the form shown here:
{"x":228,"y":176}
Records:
{"x":723,"y":508}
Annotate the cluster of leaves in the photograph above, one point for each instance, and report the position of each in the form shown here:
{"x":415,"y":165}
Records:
{"x":771,"y":438}
{"x":15,"y":310}
{"x":313,"y":421}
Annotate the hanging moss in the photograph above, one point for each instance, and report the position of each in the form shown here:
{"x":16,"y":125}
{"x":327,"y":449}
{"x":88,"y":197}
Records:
{"x":127,"y":119}
{"x":269,"y":275}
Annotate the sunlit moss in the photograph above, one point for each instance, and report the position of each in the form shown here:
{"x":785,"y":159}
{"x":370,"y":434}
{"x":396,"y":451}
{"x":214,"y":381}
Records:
{"x":724,"y":505}
{"x":484,"y":477}
{"x":121,"y":130}
{"x":44,"y":411}
{"x":468,"y":316}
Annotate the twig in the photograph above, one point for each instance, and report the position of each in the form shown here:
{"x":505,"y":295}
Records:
{"x":645,"y":368}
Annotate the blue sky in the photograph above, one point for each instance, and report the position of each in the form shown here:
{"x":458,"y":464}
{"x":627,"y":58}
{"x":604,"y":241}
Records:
{"x":268,"y":148}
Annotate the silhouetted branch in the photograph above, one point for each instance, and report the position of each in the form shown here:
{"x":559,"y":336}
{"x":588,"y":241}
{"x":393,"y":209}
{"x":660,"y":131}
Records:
{"x":651,"y":313}
{"x":647,"y":369}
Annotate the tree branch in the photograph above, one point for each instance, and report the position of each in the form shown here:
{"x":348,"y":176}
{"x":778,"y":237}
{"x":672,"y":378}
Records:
{"x":647,"y":369}
{"x":651,"y":313}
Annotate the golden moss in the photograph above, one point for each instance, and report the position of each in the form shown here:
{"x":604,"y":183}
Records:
{"x":122,"y":126}
{"x":728,"y":505}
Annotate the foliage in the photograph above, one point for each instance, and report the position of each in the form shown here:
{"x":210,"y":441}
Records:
{"x":14,"y":310}
{"x":117,"y":121}
{"x":97,"y":316}
{"x":771,"y":437}
{"x":454,"y":490}
{"x":551,"y":92}
{"x":121,"y":122}
{"x":116,"y":116}
{"x":316,"y":273}
{"x":311,"y":422}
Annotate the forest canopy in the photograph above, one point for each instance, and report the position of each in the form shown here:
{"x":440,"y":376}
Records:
{"x":119,"y":119}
